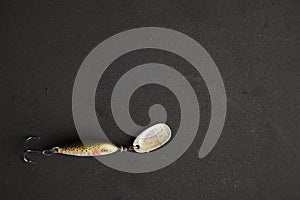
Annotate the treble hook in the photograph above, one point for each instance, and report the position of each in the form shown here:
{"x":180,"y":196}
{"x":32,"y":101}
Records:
{"x":43,"y":152}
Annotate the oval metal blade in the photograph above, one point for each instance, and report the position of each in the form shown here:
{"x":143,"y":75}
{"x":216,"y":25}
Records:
{"x":152,"y":138}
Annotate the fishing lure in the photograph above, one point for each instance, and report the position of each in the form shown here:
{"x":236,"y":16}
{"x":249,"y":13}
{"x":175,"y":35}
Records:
{"x":149,"y":140}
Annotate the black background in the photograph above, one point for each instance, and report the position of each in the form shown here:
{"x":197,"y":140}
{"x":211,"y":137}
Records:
{"x":255,"y":45}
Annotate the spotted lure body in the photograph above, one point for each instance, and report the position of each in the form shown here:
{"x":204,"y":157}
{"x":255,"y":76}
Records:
{"x":150,"y":139}
{"x":88,"y":150}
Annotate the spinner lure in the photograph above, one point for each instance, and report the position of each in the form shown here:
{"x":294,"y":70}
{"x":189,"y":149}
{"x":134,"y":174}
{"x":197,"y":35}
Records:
{"x":149,"y":140}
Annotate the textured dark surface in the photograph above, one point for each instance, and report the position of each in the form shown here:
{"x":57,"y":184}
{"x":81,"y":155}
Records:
{"x":256,"y":46}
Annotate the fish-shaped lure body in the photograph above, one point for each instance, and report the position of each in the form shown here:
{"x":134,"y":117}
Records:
{"x":88,"y":150}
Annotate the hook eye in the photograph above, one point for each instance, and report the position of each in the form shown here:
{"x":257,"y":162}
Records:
{"x":50,"y":151}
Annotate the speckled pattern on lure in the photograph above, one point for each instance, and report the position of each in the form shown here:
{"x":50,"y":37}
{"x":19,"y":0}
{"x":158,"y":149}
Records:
{"x":88,"y":150}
